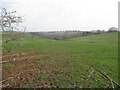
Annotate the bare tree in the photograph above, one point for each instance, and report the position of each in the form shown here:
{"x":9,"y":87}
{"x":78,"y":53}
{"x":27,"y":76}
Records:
{"x":9,"y":21}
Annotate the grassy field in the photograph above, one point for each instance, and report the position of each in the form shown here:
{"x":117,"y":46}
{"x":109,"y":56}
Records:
{"x":63,"y":64}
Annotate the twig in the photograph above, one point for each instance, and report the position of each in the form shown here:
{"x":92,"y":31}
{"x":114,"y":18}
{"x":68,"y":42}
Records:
{"x":91,"y":73}
{"x":111,"y":82}
{"x":16,"y":76}
{"x":3,"y":62}
{"x":96,"y":80}
{"x":106,"y":76}
{"x":6,"y":79}
{"x":107,"y":85}
{"x":88,"y":77}
{"x":5,"y":85}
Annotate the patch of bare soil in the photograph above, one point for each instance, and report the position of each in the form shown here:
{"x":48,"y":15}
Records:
{"x":25,"y":72}
{"x":16,"y":57}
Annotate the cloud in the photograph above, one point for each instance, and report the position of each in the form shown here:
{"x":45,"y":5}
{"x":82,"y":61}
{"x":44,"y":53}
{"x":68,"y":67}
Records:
{"x":66,"y":14}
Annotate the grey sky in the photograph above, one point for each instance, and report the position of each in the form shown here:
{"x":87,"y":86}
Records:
{"x":65,"y":14}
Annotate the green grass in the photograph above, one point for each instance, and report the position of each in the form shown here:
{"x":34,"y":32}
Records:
{"x":26,"y":86}
{"x":71,"y":57}
{"x":8,"y":65}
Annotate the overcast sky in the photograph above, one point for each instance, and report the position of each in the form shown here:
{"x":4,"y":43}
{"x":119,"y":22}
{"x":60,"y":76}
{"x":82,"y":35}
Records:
{"x":45,"y":15}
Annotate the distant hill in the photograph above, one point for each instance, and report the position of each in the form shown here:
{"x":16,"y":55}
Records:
{"x":64,"y":35}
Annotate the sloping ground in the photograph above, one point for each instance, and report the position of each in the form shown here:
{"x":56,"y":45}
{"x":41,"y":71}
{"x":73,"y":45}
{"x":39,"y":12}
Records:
{"x":83,"y":62}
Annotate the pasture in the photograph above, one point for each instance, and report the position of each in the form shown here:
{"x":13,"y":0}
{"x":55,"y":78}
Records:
{"x":73,"y":63}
